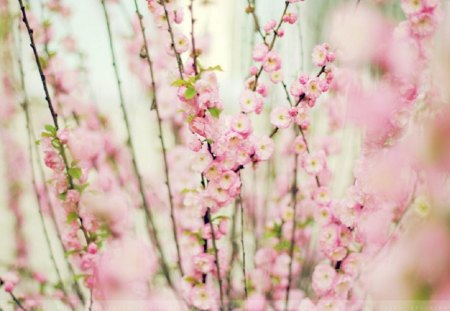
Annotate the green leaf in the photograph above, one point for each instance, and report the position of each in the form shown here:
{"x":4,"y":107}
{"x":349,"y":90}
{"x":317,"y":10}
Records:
{"x":75,"y":172}
{"x":50,"y":128}
{"x":213,"y":68}
{"x":56,"y":143}
{"x":179,"y":82}
{"x":215,"y":112}
{"x":71,"y":217}
{"x":190,"y":93}
{"x":82,"y":187}
{"x":191,"y":279}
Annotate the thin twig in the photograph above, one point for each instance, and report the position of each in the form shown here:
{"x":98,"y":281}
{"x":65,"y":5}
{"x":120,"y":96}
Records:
{"x":172,"y":39}
{"x":243,"y":245}
{"x":161,"y":137}
{"x":294,"y":225}
{"x":194,"y":51}
{"x":216,"y":255}
{"x":50,"y":107}
{"x":234,"y":251}
{"x":145,"y":206}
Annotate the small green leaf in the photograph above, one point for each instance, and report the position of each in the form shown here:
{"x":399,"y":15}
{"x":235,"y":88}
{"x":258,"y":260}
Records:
{"x":190,"y":118}
{"x":179,"y":82}
{"x":215,"y":112}
{"x":82,"y":187}
{"x":190,"y":93}
{"x":50,"y":128}
{"x":71,"y":217}
{"x":213,"y":68}
{"x":62,"y":196}
{"x":75,"y":172}
{"x":191,"y":279}
{"x":56,"y":143}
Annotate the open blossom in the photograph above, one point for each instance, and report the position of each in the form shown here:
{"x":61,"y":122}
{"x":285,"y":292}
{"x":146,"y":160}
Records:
{"x":181,"y":43}
{"x":264,"y":147}
{"x":323,"y":278}
{"x":272,"y":62}
{"x":203,"y":263}
{"x":251,"y":102}
{"x":241,"y":124}
{"x":201,"y":297}
{"x":299,"y":145}
{"x":313,"y":163}
{"x":280,"y":117}
{"x":259,"y":52}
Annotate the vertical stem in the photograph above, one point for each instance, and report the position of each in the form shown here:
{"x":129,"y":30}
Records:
{"x":194,"y":50}
{"x":161,"y":137}
{"x":216,"y":255}
{"x":234,"y":250}
{"x":172,"y":39}
{"x":243,"y":245}
{"x":25,"y":107}
{"x":148,"y":213}
{"x":14,"y":298}
{"x":294,"y":225}
{"x":50,"y":106}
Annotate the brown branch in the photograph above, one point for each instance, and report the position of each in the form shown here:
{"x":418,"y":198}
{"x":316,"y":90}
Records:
{"x":145,"y":206}
{"x":161,"y":137}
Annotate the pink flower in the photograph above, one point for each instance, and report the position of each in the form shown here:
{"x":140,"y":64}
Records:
{"x":314,"y":163}
{"x":299,"y":145}
{"x":264,"y":147}
{"x":227,"y":179}
{"x":323,"y":278}
{"x":201,"y":298}
{"x":259,"y":52}
{"x":290,"y":17}
{"x":181,"y":43}
{"x":276,"y":76}
{"x":250,"y":101}
{"x":272,"y":62}
{"x":203,"y":262}
{"x":280,"y":117}
{"x":313,"y":89}
{"x":270,"y":25}
{"x":319,"y":55}
{"x":241,"y":124}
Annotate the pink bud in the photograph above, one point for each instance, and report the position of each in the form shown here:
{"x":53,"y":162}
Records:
{"x":92,"y":248}
{"x":293,"y":112}
{"x":9,"y":287}
{"x":303,"y":79}
{"x":280,"y":33}
{"x":253,"y":70}
{"x":270,"y":25}
{"x":331,"y":57}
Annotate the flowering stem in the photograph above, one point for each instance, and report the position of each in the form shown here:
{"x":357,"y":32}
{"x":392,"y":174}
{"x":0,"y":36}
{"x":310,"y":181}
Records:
{"x":50,"y":106}
{"x":25,"y":107}
{"x":161,"y":137}
{"x":243,"y":245}
{"x":14,"y":298}
{"x":148,"y":213}
{"x":234,"y":249}
{"x":294,"y":191}
{"x":272,"y":43}
{"x":172,"y":39}
{"x":216,"y":255}
{"x":194,"y":51}
{"x":252,"y":10}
